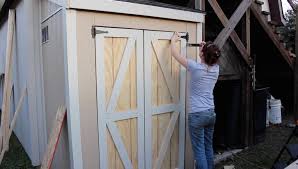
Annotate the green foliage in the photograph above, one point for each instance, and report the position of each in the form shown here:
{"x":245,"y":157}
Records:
{"x":289,"y":30}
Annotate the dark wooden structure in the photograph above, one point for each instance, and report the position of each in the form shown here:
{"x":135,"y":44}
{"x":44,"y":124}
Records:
{"x":252,"y":52}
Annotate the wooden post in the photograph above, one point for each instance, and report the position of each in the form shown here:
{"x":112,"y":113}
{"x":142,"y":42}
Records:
{"x":203,"y":8}
{"x":7,"y":81}
{"x":296,"y":74}
{"x":247,"y":30}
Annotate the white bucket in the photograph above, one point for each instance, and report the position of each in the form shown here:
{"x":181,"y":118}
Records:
{"x":275,"y":111}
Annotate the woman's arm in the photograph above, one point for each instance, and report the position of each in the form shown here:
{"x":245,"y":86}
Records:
{"x":175,"y":53}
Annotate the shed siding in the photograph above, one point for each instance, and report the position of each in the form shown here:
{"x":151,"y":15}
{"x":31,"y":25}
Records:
{"x":3,"y":33}
{"x":54,"y":85}
{"x":48,"y":8}
{"x":26,"y":129}
{"x":87,"y":69}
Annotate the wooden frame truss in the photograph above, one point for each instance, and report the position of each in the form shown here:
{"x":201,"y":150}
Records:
{"x":230,"y":25}
{"x":228,"y":31}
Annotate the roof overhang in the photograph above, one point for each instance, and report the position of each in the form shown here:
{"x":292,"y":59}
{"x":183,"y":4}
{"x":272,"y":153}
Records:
{"x":148,"y":9}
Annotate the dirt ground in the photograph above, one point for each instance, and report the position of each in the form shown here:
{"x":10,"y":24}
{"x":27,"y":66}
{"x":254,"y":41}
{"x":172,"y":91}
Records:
{"x":260,"y":156}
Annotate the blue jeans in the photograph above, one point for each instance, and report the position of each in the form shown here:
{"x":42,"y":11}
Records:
{"x":201,"y":128}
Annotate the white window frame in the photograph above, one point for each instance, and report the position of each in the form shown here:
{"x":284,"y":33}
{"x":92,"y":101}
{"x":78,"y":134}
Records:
{"x":116,"y":6}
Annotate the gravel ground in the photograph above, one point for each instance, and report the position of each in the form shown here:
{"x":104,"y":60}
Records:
{"x":262,"y":155}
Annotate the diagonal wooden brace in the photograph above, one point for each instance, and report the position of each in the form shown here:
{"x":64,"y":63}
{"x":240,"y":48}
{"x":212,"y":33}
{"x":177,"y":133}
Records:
{"x":235,"y":38}
{"x":272,"y":36}
{"x":230,"y":26}
{"x":8,"y":76}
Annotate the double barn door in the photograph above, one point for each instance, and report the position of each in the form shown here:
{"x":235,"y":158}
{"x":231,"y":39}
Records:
{"x":141,"y":100}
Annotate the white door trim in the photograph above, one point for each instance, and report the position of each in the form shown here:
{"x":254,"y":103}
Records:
{"x":72,"y":89}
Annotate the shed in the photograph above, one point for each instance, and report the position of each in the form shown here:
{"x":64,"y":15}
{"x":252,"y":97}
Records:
{"x":109,"y":62}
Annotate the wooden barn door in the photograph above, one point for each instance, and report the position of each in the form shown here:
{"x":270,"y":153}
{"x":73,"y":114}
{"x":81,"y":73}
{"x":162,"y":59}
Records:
{"x":120,"y":94}
{"x":164,"y":102}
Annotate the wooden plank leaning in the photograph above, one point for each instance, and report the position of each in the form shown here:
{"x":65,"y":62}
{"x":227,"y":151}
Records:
{"x":7,"y":80}
{"x":13,"y":123}
{"x":54,"y":138}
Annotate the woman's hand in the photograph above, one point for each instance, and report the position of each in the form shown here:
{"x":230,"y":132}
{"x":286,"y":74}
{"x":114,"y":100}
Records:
{"x":202,"y":44}
{"x":175,"y":38}
{"x":175,"y":53}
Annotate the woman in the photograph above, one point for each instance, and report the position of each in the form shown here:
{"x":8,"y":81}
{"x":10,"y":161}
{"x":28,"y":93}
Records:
{"x":201,"y":117}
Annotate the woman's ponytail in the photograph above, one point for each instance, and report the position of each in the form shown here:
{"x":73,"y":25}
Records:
{"x":211,"y":53}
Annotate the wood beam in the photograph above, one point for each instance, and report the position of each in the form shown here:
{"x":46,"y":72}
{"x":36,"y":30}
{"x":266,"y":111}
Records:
{"x":271,"y":34}
{"x":296,"y":75}
{"x":237,"y":15}
{"x":247,"y":30}
{"x":7,"y":79}
{"x":235,"y":38}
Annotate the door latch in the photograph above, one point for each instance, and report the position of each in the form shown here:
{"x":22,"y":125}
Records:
{"x":186,"y":37}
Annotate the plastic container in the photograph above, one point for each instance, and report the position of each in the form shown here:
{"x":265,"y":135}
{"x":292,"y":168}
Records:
{"x":275,"y":111}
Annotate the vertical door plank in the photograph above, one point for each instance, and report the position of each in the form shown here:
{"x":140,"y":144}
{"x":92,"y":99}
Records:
{"x":154,"y":102}
{"x":175,"y":136}
{"x":164,"y":97}
{"x":133,"y":105}
{"x":109,"y":82}
{"x":119,"y":45}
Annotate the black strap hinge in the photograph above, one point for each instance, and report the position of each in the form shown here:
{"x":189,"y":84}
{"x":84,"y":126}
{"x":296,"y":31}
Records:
{"x":94,"y":32}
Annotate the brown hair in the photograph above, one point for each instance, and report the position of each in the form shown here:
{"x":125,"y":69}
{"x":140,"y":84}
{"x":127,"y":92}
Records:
{"x":211,"y":53}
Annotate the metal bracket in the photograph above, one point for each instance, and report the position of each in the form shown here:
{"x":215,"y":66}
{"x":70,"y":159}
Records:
{"x":186,"y":37}
{"x":94,"y":32}
{"x":194,"y":45}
